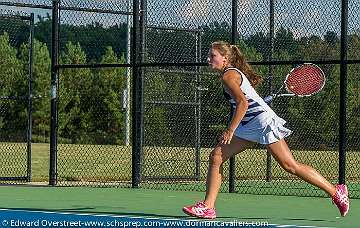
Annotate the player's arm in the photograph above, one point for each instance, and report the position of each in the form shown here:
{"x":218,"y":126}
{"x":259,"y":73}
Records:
{"x":232,"y":81}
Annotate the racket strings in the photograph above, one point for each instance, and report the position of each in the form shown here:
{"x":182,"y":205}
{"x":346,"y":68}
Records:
{"x":305,"y":80}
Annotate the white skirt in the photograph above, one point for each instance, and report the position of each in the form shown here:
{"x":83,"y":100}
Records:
{"x":263,"y":129}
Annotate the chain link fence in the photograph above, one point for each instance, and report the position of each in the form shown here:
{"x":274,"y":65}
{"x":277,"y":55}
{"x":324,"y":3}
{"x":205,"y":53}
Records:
{"x":353,"y":114}
{"x":94,"y":128}
{"x":183,"y":108}
{"x":15,"y":107}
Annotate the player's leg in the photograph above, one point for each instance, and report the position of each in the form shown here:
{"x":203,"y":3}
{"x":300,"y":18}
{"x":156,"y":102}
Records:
{"x":284,"y":157}
{"x":282,"y":154}
{"x":220,"y":154}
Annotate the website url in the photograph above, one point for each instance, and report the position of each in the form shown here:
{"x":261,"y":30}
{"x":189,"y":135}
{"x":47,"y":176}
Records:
{"x":120,"y":223}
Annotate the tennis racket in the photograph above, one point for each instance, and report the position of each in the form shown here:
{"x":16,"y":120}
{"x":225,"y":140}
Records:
{"x":304,"y":80}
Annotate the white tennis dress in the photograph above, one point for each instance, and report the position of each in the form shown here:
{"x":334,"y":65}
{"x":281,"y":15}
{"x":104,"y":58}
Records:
{"x":260,"y":123}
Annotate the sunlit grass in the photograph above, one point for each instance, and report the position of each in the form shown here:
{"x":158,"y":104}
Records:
{"x":113,"y":163}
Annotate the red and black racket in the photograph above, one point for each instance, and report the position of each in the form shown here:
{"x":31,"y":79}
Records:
{"x":304,"y":80}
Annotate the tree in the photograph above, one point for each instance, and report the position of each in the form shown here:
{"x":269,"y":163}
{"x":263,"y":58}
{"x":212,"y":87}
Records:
{"x":105,"y":116}
{"x":43,"y":30}
{"x":12,"y":80}
{"x":11,"y":71}
{"x":331,"y":38}
{"x":213,"y":32}
{"x":317,"y":116}
{"x":93,"y":38}
{"x":158,"y":125}
{"x":41,"y":87}
{"x":353,"y":94}
{"x":260,"y":42}
{"x":284,"y":40}
{"x":17,"y":30}
{"x":74,"y":85}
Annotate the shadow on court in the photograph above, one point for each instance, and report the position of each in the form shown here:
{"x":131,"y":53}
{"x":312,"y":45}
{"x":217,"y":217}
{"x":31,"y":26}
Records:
{"x":161,"y":204}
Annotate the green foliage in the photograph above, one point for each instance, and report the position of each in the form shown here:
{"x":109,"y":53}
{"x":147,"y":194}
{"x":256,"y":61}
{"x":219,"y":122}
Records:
{"x":42,"y":30}
{"x":285,"y":40}
{"x":73,"y":85}
{"x":16,"y":29}
{"x":353,"y":92}
{"x":41,"y":87}
{"x":90,"y":109}
{"x":12,"y":81}
{"x":10,"y":73}
{"x":105,"y":116}
{"x":94,"y":38}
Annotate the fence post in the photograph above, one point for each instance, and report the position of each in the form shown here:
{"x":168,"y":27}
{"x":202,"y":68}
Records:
{"x":127,"y":93}
{"x":137,"y":101}
{"x":53,"y":93}
{"x":29,"y":130}
{"x":198,"y":94}
{"x":270,"y":80}
{"x":233,"y":41}
{"x":343,"y":90}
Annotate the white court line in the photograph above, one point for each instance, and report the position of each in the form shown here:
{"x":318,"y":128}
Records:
{"x":145,"y":218}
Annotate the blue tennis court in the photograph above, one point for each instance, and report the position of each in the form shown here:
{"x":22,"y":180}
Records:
{"x":110,"y":207}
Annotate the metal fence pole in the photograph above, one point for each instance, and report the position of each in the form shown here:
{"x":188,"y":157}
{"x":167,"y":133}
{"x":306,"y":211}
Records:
{"x":137,"y":104}
{"x":198,"y":94}
{"x":343,"y":91}
{"x":54,"y":86}
{"x":127,"y":90}
{"x":30,"y":108}
{"x":270,"y":79}
{"x":233,"y":41}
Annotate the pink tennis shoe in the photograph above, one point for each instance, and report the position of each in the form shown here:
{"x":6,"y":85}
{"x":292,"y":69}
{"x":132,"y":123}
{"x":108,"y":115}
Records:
{"x":341,"y":199}
{"x":200,"y":210}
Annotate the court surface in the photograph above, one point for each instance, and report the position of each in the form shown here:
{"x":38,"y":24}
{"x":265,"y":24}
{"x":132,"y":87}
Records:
{"x":118,"y":207}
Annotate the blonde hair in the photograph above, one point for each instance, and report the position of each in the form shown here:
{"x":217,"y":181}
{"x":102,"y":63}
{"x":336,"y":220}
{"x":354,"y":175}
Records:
{"x":237,"y":59}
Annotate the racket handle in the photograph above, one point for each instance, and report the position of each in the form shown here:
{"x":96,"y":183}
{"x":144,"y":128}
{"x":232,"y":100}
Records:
{"x":268,"y":99}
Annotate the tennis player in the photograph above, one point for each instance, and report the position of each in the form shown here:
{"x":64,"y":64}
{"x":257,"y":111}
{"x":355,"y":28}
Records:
{"x":253,"y":121}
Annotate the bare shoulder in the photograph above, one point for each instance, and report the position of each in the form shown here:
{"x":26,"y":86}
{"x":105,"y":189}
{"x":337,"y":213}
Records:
{"x":231,"y":76}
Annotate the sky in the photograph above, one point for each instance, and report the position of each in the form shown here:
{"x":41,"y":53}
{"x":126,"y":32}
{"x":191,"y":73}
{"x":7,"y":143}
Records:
{"x":302,"y":17}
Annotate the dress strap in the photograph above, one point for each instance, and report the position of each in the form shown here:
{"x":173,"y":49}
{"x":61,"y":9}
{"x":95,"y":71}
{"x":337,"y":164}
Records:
{"x":242,"y":75}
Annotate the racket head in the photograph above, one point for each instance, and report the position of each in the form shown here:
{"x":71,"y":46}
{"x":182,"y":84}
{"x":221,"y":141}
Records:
{"x":305,"y":80}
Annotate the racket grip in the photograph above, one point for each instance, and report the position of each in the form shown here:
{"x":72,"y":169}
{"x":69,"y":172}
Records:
{"x":268,"y":99}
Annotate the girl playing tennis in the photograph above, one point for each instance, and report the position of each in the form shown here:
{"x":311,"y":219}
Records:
{"x":252,"y":121}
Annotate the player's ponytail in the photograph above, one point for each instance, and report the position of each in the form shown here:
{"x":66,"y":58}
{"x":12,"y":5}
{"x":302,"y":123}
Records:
{"x":238,"y":60}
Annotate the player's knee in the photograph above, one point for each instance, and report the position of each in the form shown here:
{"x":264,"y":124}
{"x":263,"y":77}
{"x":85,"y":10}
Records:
{"x":290,"y":166}
{"x":215,"y":158}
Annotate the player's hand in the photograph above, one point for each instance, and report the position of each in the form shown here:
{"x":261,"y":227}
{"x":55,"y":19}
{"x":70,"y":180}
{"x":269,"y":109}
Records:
{"x":226,"y":136}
